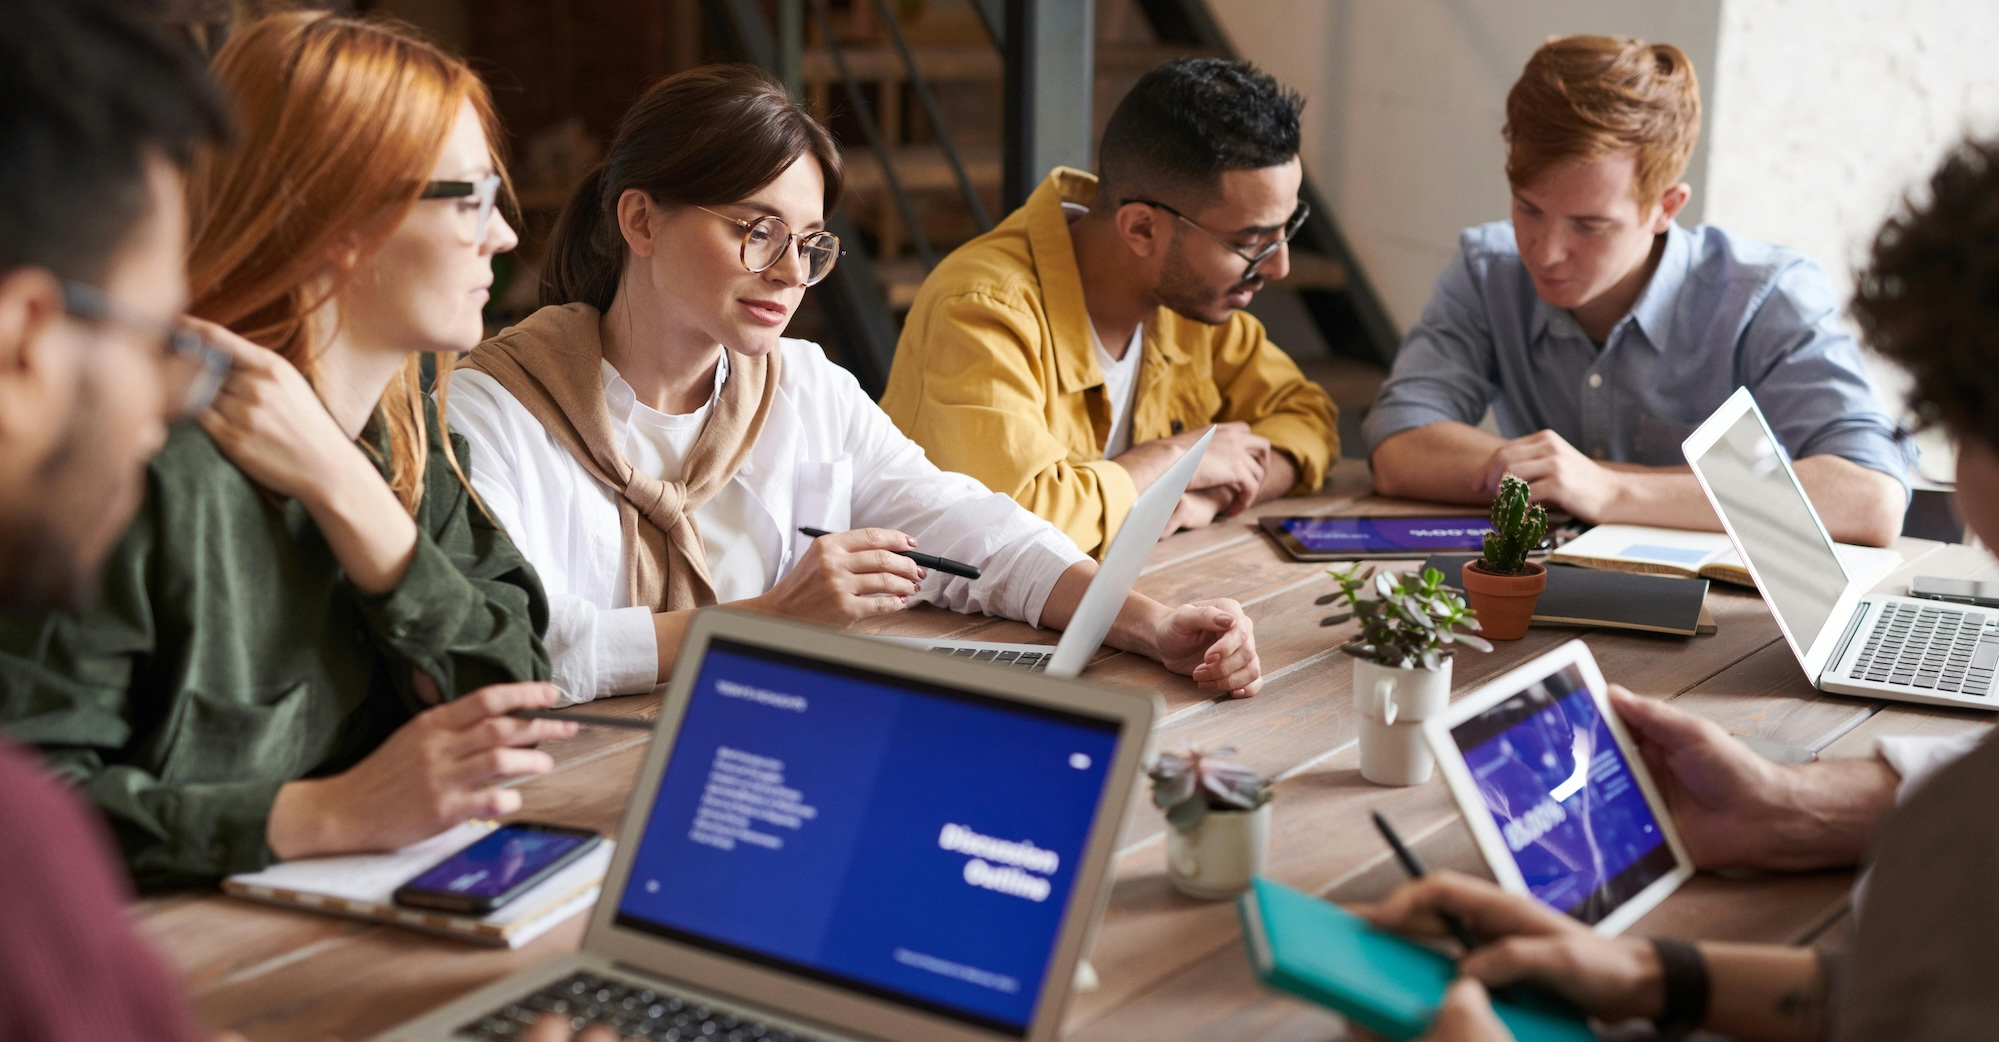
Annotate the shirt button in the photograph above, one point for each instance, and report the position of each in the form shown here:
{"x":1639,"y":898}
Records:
{"x":400,"y":630}
{"x":1596,"y":379}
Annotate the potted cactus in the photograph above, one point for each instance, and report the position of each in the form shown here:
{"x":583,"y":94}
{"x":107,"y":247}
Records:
{"x":1220,"y":817}
{"x":1503,"y":585}
{"x":1409,"y":633}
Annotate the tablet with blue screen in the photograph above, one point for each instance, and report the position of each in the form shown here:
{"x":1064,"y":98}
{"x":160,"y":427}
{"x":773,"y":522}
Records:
{"x":1360,"y":538}
{"x":1556,"y":794}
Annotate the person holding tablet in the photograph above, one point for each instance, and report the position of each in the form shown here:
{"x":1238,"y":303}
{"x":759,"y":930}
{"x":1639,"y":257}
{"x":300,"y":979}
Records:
{"x":309,"y":570}
{"x":1600,"y":333}
{"x":1919,"y":963}
{"x":655,"y":445}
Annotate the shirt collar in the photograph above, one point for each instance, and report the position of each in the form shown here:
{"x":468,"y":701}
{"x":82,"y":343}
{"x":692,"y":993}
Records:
{"x":1653,"y":311}
{"x":1061,"y":281}
{"x":619,"y":397}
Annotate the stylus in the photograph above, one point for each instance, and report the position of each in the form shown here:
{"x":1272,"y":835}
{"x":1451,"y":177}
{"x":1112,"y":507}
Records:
{"x":629,"y":723}
{"x":942,"y":564}
{"x":1414,"y":866}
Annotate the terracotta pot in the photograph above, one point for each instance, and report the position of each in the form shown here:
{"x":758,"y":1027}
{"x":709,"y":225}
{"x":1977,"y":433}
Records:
{"x":1504,"y":603}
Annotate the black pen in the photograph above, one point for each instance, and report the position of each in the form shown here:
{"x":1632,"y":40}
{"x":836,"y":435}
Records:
{"x":1412,"y":865}
{"x":942,"y":564}
{"x":629,"y":723}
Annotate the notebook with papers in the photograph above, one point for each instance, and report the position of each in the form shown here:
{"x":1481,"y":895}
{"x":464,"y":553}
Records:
{"x":1099,"y":608}
{"x":836,"y":839}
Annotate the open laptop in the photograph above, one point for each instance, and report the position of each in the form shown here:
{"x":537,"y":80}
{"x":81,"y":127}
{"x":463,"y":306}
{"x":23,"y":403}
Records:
{"x":1142,"y":528}
{"x":832,"y":839}
{"x":1849,"y":642}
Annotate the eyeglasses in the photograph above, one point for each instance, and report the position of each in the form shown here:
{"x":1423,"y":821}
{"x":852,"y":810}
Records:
{"x":766,"y":239}
{"x":483,"y":194}
{"x":1269,"y":250}
{"x":194,"y":365}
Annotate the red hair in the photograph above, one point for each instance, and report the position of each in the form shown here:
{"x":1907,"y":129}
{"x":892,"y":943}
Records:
{"x":342,"y":121}
{"x":1584,"y":97}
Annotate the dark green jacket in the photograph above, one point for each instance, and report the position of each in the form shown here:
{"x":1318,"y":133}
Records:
{"x":227,"y":655}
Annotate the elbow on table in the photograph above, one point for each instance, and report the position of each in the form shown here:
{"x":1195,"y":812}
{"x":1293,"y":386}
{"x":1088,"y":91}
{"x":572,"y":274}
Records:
{"x":1872,"y":520}
{"x":1871,"y":515}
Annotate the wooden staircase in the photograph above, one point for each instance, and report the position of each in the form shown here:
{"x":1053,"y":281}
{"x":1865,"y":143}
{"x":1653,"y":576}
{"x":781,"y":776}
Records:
{"x":954,"y":54}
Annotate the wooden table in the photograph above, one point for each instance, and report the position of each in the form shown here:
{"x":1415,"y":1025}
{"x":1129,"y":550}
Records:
{"x":1171,"y":968}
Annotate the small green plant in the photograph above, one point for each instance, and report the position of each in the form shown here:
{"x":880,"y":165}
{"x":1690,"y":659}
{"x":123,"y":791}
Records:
{"x":1412,"y":620}
{"x":1190,"y":783}
{"x":1516,"y":529}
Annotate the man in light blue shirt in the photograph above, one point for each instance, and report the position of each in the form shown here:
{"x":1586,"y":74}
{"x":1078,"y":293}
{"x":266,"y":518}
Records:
{"x":1601,"y":334}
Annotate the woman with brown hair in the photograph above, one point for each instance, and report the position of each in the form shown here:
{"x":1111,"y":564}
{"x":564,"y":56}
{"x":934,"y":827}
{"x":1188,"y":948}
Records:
{"x":655,"y":445}
{"x":310,"y":569}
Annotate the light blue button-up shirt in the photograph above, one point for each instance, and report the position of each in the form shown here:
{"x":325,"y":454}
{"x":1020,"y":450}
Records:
{"x":1721,"y":312}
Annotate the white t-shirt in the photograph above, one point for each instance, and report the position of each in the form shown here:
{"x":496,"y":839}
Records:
{"x":1120,"y":388}
{"x":657,"y":443}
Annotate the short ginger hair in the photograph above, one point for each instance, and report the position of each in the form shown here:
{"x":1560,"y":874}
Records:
{"x":1581,"y":98}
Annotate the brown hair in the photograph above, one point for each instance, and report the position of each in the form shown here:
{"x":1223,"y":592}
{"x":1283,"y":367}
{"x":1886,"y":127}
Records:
{"x":706,"y":136}
{"x":1929,"y":297}
{"x":1585,"y":97}
{"x":342,"y":121}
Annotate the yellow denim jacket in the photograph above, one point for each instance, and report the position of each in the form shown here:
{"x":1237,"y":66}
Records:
{"x":996,"y":376}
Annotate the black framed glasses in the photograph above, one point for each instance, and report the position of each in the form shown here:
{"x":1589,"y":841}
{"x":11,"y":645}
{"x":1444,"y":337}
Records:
{"x":766,"y":239}
{"x":482,"y":194}
{"x":196,"y":367}
{"x":1292,"y":225}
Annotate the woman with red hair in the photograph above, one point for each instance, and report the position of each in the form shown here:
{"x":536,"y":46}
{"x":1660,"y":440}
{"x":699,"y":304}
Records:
{"x":310,"y":569}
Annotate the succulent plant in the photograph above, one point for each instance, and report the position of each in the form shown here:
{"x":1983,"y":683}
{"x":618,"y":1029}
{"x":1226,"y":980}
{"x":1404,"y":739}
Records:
{"x":1516,"y":529}
{"x":1190,"y":783}
{"x":1413,"y":620}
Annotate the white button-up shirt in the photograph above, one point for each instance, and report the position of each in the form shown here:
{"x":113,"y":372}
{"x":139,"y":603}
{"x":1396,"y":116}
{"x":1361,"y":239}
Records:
{"x":828,"y":458}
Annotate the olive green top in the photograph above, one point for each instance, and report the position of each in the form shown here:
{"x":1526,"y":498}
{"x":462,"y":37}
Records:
{"x":227,"y":654}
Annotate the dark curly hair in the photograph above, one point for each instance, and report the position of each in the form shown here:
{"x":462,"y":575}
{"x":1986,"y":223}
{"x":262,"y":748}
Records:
{"x":1929,"y":299}
{"x":1189,"y":120}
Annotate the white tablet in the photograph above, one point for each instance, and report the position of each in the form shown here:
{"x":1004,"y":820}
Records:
{"x":1556,"y":795}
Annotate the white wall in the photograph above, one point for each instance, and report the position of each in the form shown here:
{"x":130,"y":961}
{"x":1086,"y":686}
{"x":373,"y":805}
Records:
{"x":1405,"y":99}
{"x":1821,"y":123}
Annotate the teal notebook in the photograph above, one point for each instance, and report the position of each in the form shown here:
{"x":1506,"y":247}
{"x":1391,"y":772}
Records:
{"x":1318,"y":951}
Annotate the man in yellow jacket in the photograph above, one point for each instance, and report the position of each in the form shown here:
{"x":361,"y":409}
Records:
{"x":1070,"y":355}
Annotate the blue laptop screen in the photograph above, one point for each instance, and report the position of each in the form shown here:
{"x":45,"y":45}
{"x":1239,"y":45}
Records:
{"x":1564,"y":799}
{"x":908,"y":841}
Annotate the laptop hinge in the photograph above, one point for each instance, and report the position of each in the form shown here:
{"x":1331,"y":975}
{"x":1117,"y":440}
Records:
{"x":1852,"y":627}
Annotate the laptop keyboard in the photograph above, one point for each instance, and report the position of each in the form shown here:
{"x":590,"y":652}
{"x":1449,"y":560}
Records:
{"x":1934,"y":649}
{"x":633,"y":1011}
{"x":1033,"y":660}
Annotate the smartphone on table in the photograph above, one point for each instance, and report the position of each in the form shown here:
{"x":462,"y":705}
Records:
{"x":1963,"y":591}
{"x":498,"y":867}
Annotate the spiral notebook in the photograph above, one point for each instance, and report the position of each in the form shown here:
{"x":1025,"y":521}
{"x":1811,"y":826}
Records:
{"x":361,"y":886}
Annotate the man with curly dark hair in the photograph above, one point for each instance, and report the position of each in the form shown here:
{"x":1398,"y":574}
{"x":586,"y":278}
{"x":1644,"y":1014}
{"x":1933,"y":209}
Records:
{"x":1070,"y":355}
{"x":1920,"y":962}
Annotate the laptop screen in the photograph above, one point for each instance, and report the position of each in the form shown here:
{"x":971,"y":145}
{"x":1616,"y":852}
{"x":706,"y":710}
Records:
{"x":1795,"y":563}
{"x":905,"y":840}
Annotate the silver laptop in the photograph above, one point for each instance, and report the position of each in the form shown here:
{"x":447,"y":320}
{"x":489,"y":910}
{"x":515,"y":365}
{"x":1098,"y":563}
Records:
{"x":831,"y":839}
{"x":1849,"y":642}
{"x":1099,"y":608}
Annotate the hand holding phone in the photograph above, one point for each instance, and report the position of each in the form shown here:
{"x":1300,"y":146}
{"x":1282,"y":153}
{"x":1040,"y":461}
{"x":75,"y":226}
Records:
{"x":498,"y":867}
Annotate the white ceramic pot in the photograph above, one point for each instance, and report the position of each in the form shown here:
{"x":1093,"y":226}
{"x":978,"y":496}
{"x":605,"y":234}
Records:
{"x":1216,"y":858}
{"x":1392,"y":704}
